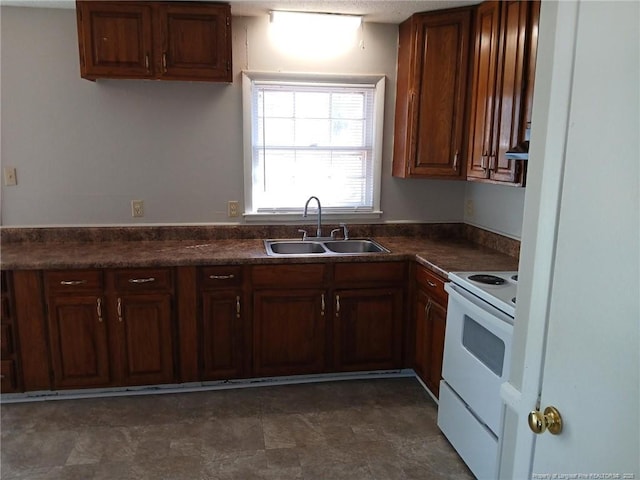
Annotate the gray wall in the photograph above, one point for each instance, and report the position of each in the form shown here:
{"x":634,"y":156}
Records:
{"x":84,"y":150}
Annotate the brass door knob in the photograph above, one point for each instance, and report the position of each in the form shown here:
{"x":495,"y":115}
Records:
{"x":549,"y":420}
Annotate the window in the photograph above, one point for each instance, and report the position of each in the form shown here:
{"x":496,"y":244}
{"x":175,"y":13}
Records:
{"x":312,"y":135}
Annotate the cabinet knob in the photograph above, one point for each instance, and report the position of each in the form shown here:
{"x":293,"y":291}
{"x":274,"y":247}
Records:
{"x":73,"y":282}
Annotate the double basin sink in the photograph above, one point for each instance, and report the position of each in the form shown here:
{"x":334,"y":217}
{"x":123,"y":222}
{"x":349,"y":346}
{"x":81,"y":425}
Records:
{"x":328,"y":247}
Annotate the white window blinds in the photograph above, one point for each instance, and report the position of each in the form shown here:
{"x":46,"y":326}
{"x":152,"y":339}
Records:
{"x":312,"y":139}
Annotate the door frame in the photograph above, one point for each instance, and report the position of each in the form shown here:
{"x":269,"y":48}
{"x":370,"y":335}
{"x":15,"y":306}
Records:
{"x":550,"y":116}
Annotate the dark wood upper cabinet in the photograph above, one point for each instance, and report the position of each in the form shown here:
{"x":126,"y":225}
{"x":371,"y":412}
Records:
{"x":155,"y":40}
{"x":502,"y":88}
{"x":431,"y":95}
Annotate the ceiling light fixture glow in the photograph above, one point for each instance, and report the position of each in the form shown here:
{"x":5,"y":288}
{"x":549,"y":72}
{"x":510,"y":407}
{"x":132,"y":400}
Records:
{"x":313,"y":35}
{"x":327,"y":20}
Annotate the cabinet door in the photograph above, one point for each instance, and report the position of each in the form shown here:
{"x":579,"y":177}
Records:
{"x":8,"y":351}
{"x":483,"y":89}
{"x":511,"y":94}
{"x":144,"y":338}
{"x":435,"y":316}
{"x":289,"y":332}
{"x":422,"y":343}
{"x":115,"y":39}
{"x":78,"y":341}
{"x":196,"y":42}
{"x":368,"y":329}
{"x":221,"y":338}
{"x":432,"y":84}
{"x":430,"y":316}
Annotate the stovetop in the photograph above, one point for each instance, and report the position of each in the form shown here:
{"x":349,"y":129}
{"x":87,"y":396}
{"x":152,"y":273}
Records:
{"x":496,"y":288}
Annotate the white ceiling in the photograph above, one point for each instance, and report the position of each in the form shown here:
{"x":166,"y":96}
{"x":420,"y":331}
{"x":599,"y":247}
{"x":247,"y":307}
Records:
{"x":380,"y":11}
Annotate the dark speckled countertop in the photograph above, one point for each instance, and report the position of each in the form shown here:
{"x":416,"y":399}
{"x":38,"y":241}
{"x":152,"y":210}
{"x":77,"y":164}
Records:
{"x":442,"y":253}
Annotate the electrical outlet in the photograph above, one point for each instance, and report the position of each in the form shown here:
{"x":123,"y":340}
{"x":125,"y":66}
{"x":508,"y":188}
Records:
{"x":137,"y":208}
{"x":468,"y":209}
{"x":233,"y":208}
{"x":10,"y":178}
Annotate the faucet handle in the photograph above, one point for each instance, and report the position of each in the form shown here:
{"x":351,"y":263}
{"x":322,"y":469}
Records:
{"x":345,"y":231}
{"x":334,"y":232}
{"x":304,"y":234}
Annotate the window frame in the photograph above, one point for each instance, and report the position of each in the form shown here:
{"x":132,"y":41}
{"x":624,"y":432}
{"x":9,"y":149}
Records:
{"x":248,"y":77}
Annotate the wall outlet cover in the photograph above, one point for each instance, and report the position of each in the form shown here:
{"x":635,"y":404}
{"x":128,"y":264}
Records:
{"x":137,"y":208}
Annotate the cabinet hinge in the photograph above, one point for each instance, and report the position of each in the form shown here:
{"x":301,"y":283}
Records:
{"x":228,"y":21}
{"x":228,"y":65}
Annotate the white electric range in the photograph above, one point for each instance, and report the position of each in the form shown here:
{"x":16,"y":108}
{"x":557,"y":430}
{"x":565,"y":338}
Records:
{"x":477,"y":353}
{"x":496,"y":288}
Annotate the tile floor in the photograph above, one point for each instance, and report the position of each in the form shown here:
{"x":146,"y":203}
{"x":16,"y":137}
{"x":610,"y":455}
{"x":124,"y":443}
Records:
{"x":374,"y":429}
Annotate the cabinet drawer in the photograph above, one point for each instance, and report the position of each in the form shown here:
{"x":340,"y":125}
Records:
{"x":432,"y":283}
{"x":6,"y":340}
{"x":288,"y":275}
{"x":350,"y":273}
{"x":73,"y":281}
{"x":7,"y":376}
{"x":139,"y":280}
{"x":221,"y":276}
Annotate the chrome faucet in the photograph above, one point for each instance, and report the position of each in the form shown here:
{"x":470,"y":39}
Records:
{"x":304,"y":215}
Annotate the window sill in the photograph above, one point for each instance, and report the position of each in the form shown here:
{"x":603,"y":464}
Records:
{"x":298,"y":218}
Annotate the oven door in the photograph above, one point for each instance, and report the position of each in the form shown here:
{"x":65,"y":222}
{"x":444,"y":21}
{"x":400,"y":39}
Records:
{"x":477,"y":353}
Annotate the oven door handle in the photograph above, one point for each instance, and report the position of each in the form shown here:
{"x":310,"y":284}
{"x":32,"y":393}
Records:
{"x":493,"y":317}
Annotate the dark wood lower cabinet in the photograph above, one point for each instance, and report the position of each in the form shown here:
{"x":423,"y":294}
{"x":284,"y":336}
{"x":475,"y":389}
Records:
{"x":222,"y":334}
{"x":430,"y":322}
{"x":111,"y":328}
{"x":145,"y":339}
{"x":121,"y":327}
{"x":288,"y":332}
{"x":9,"y":375}
{"x":78,"y":341}
{"x":368,"y":329}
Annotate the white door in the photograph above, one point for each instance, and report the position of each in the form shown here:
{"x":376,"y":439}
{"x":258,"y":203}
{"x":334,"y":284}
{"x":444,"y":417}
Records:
{"x":576,"y":340}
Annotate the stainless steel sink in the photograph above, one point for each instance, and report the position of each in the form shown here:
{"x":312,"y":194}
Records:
{"x":355,"y":246}
{"x":293,"y":247}
{"x":329,"y":247}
